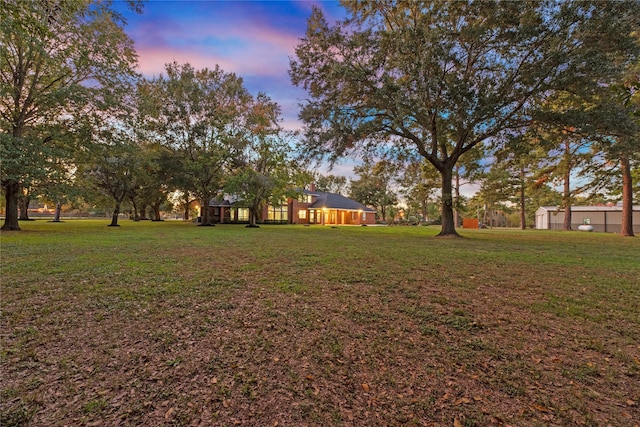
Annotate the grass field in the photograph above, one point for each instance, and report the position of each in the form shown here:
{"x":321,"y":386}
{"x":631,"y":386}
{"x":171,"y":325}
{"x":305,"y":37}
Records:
{"x":171,"y":324}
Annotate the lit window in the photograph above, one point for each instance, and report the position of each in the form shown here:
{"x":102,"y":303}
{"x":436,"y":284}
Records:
{"x":278,"y":213}
{"x":302,"y":214}
{"x":243,"y":214}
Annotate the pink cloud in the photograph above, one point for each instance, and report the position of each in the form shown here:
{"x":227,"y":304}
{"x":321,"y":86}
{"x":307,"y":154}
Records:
{"x":255,"y":50}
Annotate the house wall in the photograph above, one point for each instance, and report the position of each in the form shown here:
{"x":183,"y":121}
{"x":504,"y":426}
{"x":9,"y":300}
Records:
{"x":329,"y":216}
{"x":295,"y":207}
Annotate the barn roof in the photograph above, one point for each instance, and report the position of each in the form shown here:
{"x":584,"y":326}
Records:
{"x":588,"y":208}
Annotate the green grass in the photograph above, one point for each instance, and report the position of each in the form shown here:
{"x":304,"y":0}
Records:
{"x":172,"y":324}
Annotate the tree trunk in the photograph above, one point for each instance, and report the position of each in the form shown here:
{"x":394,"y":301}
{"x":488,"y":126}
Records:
{"x":204,"y":211}
{"x":136,"y":217}
{"x":566,"y":194}
{"x":523,"y":214}
{"x":448,"y":226}
{"x":566,"y":201}
{"x":143,"y":212}
{"x":11,"y":192}
{"x":23,"y":205}
{"x":456,"y":214}
{"x":425,"y":210}
{"x":626,"y":228}
{"x":114,"y":216}
{"x":185,"y":215}
{"x":253,"y":217}
{"x":56,"y":216}
{"x":156,"y":212}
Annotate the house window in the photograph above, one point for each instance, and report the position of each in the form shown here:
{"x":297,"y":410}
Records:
{"x":364,"y":216}
{"x":302,"y":214}
{"x":243,"y":214}
{"x":586,"y":221}
{"x":305,"y":198}
{"x":278,"y":213}
{"x":312,"y":216}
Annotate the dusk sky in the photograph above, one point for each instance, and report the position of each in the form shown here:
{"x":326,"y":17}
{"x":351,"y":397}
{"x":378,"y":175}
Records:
{"x":253,"y":39}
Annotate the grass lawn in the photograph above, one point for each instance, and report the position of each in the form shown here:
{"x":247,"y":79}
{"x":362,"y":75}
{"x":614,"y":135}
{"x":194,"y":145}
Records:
{"x":171,"y":324}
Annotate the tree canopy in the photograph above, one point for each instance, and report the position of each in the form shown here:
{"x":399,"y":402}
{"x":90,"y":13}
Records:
{"x":59,"y":62}
{"x":436,"y":79}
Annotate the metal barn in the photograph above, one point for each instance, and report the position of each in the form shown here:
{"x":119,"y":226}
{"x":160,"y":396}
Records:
{"x":602,"y":218}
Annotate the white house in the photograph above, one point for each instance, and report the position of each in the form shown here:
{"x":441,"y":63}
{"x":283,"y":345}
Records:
{"x":601,"y":218}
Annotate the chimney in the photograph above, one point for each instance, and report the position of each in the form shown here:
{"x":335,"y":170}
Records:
{"x":312,"y":187}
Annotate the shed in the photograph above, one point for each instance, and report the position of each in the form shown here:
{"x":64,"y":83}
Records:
{"x":602,"y":218}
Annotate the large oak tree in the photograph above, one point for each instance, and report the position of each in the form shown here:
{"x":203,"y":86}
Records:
{"x":439,"y":78}
{"x":58,"y":60}
{"x":203,"y":116}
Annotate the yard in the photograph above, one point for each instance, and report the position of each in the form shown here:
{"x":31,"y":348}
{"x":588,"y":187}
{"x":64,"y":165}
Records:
{"x":171,"y":324}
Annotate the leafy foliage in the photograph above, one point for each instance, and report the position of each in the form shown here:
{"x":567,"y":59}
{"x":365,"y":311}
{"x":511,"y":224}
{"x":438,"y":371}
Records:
{"x":58,"y":62}
{"x":437,"y":79}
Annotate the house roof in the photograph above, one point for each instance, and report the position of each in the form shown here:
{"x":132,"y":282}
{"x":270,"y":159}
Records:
{"x":219,"y":203}
{"x":335,"y":201}
{"x":587,"y":208}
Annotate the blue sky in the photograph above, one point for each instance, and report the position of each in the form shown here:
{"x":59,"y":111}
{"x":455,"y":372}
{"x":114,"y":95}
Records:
{"x":253,"y":39}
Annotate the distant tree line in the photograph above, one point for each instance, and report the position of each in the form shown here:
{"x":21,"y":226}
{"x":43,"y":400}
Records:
{"x":522,"y":98}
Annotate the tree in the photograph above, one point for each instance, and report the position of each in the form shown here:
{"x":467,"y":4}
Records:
{"x":418,"y":184}
{"x":113,"y":168}
{"x":201,"y":115}
{"x":468,"y":169}
{"x":60,"y":187}
{"x":494,"y":191}
{"x":56,"y":59}
{"x":154,"y":179}
{"x":438,"y":79}
{"x":521,"y":157}
{"x":332,"y":184}
{"x":623,"y":143}
{"x":264,"y":169}
{"x":373,"y":187}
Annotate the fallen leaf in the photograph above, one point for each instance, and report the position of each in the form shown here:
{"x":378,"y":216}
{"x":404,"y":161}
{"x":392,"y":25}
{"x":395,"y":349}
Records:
{"x":461,"y":401}
{"x":167,"y":414}
{"x":631,"y":402}
{"x":365,"y":387}
{"x":457,"y":423}
{"x":540,"y":408}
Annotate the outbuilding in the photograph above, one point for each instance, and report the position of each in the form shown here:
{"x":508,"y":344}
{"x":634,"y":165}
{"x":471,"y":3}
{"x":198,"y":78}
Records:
{"x":602,"y":218}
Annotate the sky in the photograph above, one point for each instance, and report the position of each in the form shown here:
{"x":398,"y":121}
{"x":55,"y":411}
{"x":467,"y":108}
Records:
{"x":253,"y":39}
